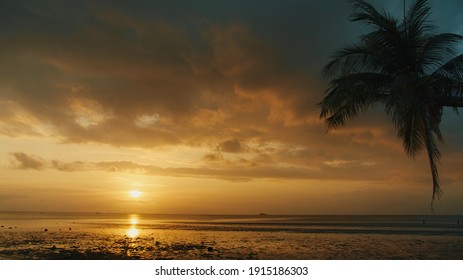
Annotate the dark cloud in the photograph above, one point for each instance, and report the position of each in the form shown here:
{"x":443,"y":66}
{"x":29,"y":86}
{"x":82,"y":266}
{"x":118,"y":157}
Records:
{"x":259,"y":167}
{"x":213,"y":157}
{"x":231,"y":146}
{"x":68,"y":167}
{"x":21,"y":160}
{"x":91,"y":71}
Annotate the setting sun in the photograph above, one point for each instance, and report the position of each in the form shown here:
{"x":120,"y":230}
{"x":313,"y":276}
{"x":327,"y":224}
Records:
{"x":135,"y":193}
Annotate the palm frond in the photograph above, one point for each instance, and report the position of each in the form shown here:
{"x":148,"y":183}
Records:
{"x":446,"y":87}
{"x":436,"y":49}
{"x":452,"y":69}
{"x":433,"y":156}
{"x":416,"y":21}
{"x":352,"y":94}
{"x":351,"y":59}
{"x":368,"y":14}
{"x":411,"y":130}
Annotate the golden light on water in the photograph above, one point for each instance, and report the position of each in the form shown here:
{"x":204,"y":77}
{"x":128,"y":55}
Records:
{"x":135,"y":193}
{"x":133,"y":232}
{"x":133,"y":219}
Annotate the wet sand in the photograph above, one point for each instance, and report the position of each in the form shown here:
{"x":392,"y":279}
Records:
{"x":112,"y":243}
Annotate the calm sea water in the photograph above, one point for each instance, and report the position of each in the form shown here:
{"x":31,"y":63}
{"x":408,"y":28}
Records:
{"x":142,"y":236}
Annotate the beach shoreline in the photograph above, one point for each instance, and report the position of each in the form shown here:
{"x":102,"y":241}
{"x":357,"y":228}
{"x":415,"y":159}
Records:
{"x":123,"y":237}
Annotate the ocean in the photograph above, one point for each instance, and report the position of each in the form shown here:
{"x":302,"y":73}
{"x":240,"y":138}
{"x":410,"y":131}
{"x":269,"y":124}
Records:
{"x":26,"y":235}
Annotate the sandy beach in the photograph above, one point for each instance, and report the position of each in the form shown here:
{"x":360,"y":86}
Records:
{"x":215,"y":237}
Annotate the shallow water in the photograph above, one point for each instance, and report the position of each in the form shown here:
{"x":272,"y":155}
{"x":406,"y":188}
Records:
{"x":132,"y":236}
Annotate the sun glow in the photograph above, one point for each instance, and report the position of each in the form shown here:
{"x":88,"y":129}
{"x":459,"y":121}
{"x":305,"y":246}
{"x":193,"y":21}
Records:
{"x":135,"y":193}
{"x":132,"y":232}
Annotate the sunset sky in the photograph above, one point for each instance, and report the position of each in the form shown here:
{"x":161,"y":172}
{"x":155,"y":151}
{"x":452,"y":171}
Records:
{"x":205,"y":107}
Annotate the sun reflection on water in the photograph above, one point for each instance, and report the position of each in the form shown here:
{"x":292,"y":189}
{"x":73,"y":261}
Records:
{"x":133,"y":232}
{"x":133,"y":219}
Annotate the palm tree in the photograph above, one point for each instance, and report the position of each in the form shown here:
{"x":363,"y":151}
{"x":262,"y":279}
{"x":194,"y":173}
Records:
{"x":404,"y":66}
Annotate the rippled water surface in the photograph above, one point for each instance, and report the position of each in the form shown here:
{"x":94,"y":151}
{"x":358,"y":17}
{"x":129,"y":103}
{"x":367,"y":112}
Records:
{"x":134,"y":236}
